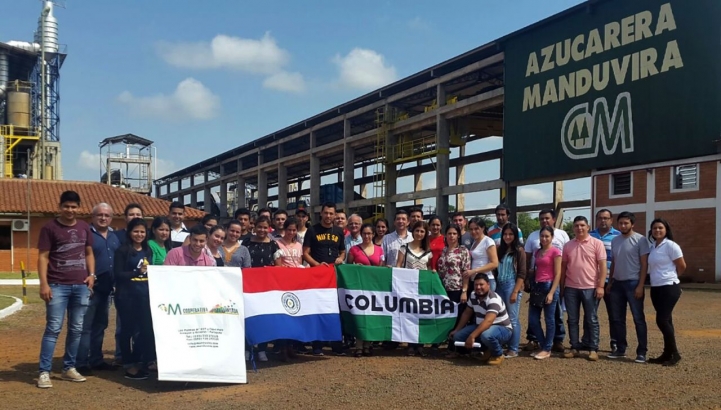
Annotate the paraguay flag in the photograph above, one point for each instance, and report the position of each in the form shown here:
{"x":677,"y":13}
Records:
{"x":291,"y":303}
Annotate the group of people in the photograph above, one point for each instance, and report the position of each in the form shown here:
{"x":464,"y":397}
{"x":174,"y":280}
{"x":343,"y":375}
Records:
{"x":83,"y":267}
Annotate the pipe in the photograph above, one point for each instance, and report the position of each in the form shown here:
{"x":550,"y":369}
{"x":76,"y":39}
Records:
{"x":4,"y":75}
{"x":24,"y":45}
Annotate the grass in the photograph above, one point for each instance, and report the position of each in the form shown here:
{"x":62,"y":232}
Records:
{"x":18,"y":275}
{"x":17,"y":291}
{"x":5,"y":302}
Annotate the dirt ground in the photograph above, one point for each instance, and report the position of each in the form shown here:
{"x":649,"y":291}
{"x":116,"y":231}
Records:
{"x":391,"y":380}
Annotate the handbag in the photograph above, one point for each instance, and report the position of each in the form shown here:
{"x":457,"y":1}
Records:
{"x":537,"y":299}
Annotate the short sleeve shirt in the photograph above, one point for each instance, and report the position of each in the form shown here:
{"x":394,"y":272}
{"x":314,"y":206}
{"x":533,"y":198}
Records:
{"x":545,"y":265}
{"x":533,"y":243}
{"x":392,"y":244}
{"x":627,"y":253}
{"x":261,"y":253}
{"x":661,"y":268}
{"x":325,"y":244}
{"x":479,"y":254}
{"x":492,"y":303}
{"x":66,"y":246}
{"x":582,"y":259}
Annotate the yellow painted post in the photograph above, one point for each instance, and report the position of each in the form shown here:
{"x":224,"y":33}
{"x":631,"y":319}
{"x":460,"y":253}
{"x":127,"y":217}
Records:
{"x":25,"y":288}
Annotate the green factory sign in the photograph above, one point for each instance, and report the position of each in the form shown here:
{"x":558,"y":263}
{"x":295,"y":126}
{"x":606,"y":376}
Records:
{"x":615,"y":83}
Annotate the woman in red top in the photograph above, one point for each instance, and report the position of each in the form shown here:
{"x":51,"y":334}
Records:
{"x":437,"y":241}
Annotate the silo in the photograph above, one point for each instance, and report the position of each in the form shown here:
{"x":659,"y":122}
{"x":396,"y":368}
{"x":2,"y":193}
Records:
{"x":48,"y":36}
{"x":18,"y":109}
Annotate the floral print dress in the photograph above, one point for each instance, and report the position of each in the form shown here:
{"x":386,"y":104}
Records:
{"x":451,"y":265}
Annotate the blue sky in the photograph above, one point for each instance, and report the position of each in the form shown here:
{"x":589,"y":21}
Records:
{"x":199,"y":78}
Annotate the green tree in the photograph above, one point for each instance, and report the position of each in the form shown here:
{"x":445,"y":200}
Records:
{"x":528,"y":224}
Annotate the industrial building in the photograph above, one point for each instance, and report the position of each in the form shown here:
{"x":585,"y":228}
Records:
{"x":29,"y":103}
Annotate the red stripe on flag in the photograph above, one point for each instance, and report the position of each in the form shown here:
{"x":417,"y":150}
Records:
{"x":265,"y":279}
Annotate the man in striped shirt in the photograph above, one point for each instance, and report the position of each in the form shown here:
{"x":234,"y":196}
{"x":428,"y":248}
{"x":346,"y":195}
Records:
{"x":492,"y":325}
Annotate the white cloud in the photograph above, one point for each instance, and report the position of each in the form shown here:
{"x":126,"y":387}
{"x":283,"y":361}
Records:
{"x":91,"y":161}
{"x":285,"y":81}
{"x":190,"y":100}
{"x":532,"y":195}
{"x":364,"y":69}
{"x":262,"y":56}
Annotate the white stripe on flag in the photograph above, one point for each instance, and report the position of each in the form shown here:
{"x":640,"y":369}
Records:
{"x":312,"y":302}
{"x":405,"y":284}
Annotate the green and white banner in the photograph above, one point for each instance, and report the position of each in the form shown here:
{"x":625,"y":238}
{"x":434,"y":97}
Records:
{"x":394,"y":304}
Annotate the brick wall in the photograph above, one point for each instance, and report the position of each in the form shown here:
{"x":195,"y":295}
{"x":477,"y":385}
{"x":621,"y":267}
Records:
{"x":638,"y":190}
{"x":693,"y":230}
{"x":707,"y":184}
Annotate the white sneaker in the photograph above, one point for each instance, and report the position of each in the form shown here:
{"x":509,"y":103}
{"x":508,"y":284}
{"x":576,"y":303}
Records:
{"x":247,"y":355}
{"x":44,"y":381}
{"x":72,"y":375}
{"x":262,"y":357}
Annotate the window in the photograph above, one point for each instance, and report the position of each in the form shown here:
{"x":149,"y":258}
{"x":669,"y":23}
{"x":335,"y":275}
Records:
{"x":684,"y":177}
{"x":5,"y":238}
{"x":621,"y":185}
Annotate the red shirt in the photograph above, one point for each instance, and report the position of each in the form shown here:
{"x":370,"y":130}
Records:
{"x":437,"y":245}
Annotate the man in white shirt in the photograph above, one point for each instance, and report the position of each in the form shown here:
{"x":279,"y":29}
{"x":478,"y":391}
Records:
{"x":546,"y":217}
{"x":393,"y":241}
{"x":354,"y":237}
{"x":178,"y":232}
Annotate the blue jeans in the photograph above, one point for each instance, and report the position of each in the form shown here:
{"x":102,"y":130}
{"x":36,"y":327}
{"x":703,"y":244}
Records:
{"x":575,"y":298}
{"x":560,"y":332}
{"x":549,"y":314}
{"x":622,"y":294}
{"x":492,"y":339}
{"x":504,"y":290}
{"x":74,"y":299}
{"x":90,"y":349}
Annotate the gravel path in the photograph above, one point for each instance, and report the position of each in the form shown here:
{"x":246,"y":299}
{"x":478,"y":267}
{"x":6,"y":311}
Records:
{"x":391,"y":380}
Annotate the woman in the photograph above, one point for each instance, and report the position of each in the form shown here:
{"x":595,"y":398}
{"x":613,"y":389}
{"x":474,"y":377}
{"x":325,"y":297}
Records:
{"x":216,"y":237}
{"x":454,"y":260}
{"x":159,"y":240}
{"x":367,"y":252}
{"x":484,"y":258}
{"x":416,"y":255}
{"x":381,"y":226}
{"x":546,"y":282}
{"x":133,"y":301}
{"x":665,"y":264}
{"x":290,"y":252}
{"x":263,"y":252}
{"x":509,"y":280}
{"x":234,"y":254}
{"x":436,"y":239}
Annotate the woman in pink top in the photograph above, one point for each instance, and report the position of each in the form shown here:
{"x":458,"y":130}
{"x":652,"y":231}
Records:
{"x":290,"y":253}
{"x":548,"y":274}
{"x":366,"y":253}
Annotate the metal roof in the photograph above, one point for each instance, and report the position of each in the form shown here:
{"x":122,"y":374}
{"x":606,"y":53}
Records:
{"x":126,"y":139}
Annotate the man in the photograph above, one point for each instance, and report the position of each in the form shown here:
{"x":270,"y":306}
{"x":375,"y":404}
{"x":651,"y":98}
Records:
{"x":503,"y":212}
{"x":242,"y":215}
{"x":194,"y":253}
{"x":66,"y":269}
{"x":278,"y":221}
{"x":625,"y":285}
{"x":178,"y":231}
{"x":546,"y":217}
{"x":492,"y":326}
{"x":324,"y":245}
{"x":209,"y":221}
{"x":302,"y":216}
{"x":341,"y":221}
{"x":583,"y":279}
{"x":95,"y":321}
{"x":466,"y":239}
{"x":354,"y":237}
{"x":393,"y":241}
{"x":415,"y":215}
{"x":132,"y":211}
{"x":605,"y":232}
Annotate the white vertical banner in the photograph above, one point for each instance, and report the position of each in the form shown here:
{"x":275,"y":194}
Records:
{"x":199,"y":325}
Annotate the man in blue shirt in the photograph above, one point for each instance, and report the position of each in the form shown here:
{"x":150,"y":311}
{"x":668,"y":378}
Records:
{"x":105,"y":243}
{"x":605,"y":232}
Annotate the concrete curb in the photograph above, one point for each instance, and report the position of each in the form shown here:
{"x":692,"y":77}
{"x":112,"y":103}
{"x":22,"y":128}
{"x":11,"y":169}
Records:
{"x":15,"y":282}
{"x":15,"y":307}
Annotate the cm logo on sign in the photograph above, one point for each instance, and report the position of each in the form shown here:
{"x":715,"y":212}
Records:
{"x":583,"y":131}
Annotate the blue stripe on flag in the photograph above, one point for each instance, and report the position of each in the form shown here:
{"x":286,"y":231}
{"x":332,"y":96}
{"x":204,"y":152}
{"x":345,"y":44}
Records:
{"x":308,"y":328}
